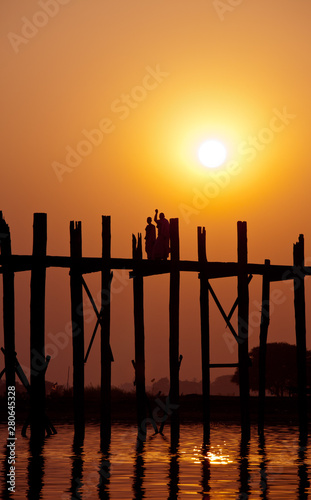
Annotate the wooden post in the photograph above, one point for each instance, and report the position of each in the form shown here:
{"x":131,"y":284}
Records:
{"x":36,"y":467}
{"x":243,"y":306}
{"x":8,"y":305}
{"x":76,"y":292}
{"x":138,"y":291}
{"x":205,"y":349}
{"x":173,"y":481}
{"x":174,"y":331}
{"x":37,"y":327}
{"x":264,"y":324}
{"x":300,"y":322}
{"x":106,"y":358}
{"x":77,"y":457}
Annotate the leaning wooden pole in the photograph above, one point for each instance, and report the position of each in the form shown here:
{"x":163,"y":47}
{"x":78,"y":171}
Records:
{"x":243,"y":310}
{"x":138,"y":292}
{"x":174,"y":331}
{"x":37,"y":328}
{"x":205,"y":335}
{"x":106,"y":356}
{"x":300,"y":322}
{"x":8,"y":304}
{"x":76,"y":293}
{"x":264,"y":325}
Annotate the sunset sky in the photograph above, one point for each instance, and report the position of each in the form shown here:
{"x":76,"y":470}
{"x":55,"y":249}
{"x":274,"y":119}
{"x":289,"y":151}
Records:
{"x":104,"y":105}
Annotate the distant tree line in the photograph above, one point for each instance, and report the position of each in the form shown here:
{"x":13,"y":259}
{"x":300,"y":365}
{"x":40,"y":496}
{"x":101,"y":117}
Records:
{"x":281,"y":369}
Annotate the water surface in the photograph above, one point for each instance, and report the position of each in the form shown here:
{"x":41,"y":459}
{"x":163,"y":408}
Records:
{"x":274,"y":468}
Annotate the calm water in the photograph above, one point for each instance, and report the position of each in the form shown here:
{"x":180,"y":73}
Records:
{"x":276,"y":469}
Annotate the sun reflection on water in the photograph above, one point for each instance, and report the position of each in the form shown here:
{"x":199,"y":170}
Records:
{"x":277,"y":466}
{"x":215,"y":455}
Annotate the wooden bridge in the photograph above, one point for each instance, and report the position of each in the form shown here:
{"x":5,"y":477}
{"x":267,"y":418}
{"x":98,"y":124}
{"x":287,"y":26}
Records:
{"x":79,"y":266}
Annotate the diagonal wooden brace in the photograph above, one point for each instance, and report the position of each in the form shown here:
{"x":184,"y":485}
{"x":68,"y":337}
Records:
{"x":227,"y":318}
{"x":99,"y":319}
{"x":233,"y":308}
{"x":86,"y":288}
{"x":19,"y":372}
{"x":222,"y":312}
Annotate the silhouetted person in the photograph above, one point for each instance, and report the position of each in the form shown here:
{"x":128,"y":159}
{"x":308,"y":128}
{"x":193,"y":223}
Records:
{"x":150,"y":238}
{"x":162,"y":244}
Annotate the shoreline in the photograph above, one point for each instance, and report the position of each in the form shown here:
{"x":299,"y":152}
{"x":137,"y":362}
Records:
{"x":223,"y":409}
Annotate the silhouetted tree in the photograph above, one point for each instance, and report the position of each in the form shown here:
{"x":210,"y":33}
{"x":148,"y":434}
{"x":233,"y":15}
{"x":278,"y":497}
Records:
{"x":281,"y":368}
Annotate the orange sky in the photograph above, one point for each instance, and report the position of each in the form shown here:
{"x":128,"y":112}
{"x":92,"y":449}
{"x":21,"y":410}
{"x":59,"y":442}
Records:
{"x":157,"y":78}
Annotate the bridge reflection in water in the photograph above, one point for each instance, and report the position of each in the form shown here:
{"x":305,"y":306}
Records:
{"x":276,"y":465}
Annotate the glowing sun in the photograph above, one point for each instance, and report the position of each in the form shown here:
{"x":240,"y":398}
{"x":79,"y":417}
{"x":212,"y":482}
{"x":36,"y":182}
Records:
{"x":212,"y":153}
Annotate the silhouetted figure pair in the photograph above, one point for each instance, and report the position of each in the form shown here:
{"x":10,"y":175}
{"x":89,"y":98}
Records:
{"x":158,"y":248}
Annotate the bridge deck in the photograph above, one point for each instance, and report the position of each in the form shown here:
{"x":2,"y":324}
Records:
{"x":18,"y":263}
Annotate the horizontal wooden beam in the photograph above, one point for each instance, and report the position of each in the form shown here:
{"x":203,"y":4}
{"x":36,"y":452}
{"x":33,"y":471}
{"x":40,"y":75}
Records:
{"x":18,"y":263}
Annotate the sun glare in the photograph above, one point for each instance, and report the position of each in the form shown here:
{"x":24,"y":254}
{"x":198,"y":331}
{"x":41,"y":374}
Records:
{"x":212,"y":153}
